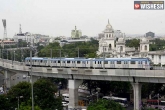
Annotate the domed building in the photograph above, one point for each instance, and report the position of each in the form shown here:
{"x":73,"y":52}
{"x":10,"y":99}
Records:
{"x":114,"y":46}
{"x":107,"y":42}
{"x":111,"y":45}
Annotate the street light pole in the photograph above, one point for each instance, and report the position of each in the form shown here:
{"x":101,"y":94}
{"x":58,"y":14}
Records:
{"x":158,"y":100}
{"x":60,"y":58}
{"x":98,"y":90}
{"x":18,"y":103}
{"x":7,"y":54}
{"x":120,"y":51}
{"x":18,"y":100}
{"x":78,"y":52}
{"x":31,"y":77}
{"x":14,"y":55}
{"x":50,"y":53}
{"x":104,"y":58}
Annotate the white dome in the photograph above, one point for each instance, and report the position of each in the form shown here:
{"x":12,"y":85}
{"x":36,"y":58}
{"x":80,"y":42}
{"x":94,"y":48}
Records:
{"x":108,"y":28}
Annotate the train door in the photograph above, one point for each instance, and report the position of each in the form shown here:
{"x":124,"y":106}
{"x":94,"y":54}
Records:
{"x":140,"y":64}
{"x":45,"y":62}
{"x":112,"y":64}
{"x":63,"y":63}
{"x":48,"y":63}
{"x":55,"y":62}
{"x":125,"y":65}
{"x":83,"y":63}
{"x":73,"y":64}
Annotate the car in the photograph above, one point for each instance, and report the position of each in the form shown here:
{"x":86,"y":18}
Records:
{"x":64,"y":104}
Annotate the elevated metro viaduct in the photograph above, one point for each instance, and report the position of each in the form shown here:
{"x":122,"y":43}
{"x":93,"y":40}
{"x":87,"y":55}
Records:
{"x":77,"y":75}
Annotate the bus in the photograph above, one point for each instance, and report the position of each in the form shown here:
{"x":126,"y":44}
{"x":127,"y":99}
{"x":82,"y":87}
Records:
{"x":122,"y":101}
{"x":156,"y":104}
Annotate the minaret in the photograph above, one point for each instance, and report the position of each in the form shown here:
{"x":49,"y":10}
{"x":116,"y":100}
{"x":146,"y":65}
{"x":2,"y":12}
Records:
{"x":108,"y":21}
{"x":75,"y":28}
{"x":20,"y":30}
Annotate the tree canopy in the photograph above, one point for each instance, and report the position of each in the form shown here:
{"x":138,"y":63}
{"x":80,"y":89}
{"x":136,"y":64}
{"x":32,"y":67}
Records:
{"x":133,"y":43}
{"x":84,"y":49}
{"x":44,"y":96}
{"x":103,"y":104}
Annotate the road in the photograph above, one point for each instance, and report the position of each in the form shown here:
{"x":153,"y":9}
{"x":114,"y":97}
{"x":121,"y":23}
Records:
{"x":129,"y":107}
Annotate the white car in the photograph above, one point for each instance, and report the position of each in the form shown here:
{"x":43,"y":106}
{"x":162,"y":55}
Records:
{"x":64,"y":104}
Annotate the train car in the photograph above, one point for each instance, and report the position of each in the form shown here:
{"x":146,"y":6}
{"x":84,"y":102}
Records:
{"x":108,"y":63}
{"x":122,"y":63}
{"x":35,"y":61}
{"x":82,"y":62}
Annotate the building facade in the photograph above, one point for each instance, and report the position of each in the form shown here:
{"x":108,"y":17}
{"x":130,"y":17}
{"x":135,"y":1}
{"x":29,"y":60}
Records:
{"x":76,"y":34}
{"x":150,"y":34}
{"x":114,"y":46}
{"x":31,"y":38}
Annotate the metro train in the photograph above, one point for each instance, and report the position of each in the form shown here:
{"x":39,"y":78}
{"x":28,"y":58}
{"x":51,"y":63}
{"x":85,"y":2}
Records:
{"x":96,"y":63}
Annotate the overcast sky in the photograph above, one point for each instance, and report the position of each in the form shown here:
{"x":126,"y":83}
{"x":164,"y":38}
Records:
{"x":59,"y":17}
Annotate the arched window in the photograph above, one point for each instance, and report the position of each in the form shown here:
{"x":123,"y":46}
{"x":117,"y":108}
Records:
{"x":109,"y":46}
{"x":107,"y":35}
{"x":145,"y":48}
{"x":121,"y":48}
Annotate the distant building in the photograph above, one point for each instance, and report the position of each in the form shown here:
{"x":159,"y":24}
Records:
{"x":118,"y":34}
{"x":100,"y":35}
{"x":150,"y":34}
{"x":4,"y":43}
{"x":76,"y":34}
{"x":27,"y":37}
{"x":31,"y":38}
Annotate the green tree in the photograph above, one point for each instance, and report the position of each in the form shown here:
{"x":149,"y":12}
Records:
{"x":21,"y":89}
{"x":28,"y":106}
{"x":133,"y":43}
{"x":105,"y":105}
{"x":44,"y":95}
{"x":46,"y":51}
{"x":4,"y":102}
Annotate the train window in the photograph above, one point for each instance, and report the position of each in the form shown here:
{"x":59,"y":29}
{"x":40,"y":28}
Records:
{"x":118,"y":62}
{"x":132,"y":62}
{"x":95,"y":62}
{"x":78,"y":62}
{"x":145,"y":62}
{"x":54,"y":61}
{"x":140,"y":62}
{"x":63,"y":61}
{"x":58,"y":61}
{"x":112,"y":62}
{"x":73,"y":61}
{"x":41,"y":61}
{"x":87,"y":62}
{"x":105,"y":62}
{"x":68,"y":61}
